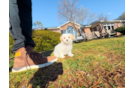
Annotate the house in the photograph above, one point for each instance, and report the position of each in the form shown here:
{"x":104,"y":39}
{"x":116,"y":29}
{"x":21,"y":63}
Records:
{"x":94,"y":30}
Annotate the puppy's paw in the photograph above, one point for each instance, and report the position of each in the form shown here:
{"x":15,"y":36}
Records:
{"x":71,"y":55}
{"x":62,"y":56}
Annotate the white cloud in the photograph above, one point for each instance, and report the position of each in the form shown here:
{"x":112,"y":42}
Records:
{"x":109,"y":13}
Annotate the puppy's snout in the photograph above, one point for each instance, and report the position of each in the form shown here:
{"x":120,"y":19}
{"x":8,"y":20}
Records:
{"x":67,"y":40}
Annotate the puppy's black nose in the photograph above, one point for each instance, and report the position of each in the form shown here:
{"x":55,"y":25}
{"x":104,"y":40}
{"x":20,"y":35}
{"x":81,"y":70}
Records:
{"x":67,"y":40}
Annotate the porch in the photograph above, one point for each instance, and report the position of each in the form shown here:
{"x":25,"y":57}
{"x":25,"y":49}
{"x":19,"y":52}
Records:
{"x":103,"y":30}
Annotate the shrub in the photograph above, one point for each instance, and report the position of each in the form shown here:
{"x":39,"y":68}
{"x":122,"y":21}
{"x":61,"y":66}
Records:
{"x":44,"y":40}
{"x":121,"y":30}
{"x":11,"y":42}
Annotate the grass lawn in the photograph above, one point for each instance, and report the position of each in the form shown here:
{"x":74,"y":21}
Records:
{"x":97,"y":63}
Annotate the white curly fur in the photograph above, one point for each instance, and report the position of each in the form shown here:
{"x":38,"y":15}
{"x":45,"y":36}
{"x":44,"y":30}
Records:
{"x":65,"y":46}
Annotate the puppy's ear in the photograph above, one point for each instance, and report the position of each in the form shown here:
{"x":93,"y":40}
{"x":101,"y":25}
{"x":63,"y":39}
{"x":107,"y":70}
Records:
{"x":61,"y":38}
{"x":73,"y":37}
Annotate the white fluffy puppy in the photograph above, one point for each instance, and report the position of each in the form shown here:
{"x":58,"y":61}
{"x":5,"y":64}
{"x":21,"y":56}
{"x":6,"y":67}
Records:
{"x":65,"y":47}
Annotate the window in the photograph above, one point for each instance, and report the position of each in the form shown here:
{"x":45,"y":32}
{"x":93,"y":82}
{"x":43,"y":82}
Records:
{"x":118,"y":24}
{"x":63,"y":31}
{"x":71,"y":30}
{"x":123,"y":24}
{"x":105,"y":27}
{"x":109,"y":28}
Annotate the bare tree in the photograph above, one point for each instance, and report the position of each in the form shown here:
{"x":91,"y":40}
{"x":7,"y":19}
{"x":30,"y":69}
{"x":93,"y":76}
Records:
{"x":67,"y":10}
{"x":91,"y":18}
{"x":97,"y":17}
{"x":38,"y":25}
{"x":82,"y":15}
{"x":103,"y":17}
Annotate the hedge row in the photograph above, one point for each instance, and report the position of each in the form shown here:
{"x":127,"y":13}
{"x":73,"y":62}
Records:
{"x":11,"y":42}
{"x":44,"y":40}
{"x":121,"y":30}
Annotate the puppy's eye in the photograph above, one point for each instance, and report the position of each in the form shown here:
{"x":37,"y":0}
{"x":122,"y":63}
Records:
{"x":64,"y":37}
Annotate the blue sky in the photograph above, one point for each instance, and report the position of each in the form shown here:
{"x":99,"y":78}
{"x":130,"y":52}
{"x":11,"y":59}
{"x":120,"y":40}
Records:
{"x":45,"y":11}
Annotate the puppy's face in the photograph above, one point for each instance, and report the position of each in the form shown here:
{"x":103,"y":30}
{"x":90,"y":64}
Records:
{"x":67,"y":38}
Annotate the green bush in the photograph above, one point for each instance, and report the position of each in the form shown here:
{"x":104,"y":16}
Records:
{"x":121,"y":30}
{"x":11,"y":42}
{"x":44,"y":40}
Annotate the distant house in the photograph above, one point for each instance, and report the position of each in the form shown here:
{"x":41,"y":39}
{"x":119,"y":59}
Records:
{"x":94,"y":30}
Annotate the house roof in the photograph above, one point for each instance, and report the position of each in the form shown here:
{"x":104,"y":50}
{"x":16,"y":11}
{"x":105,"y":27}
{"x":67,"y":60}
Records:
{"x":52,"y":28}
{"x":83,"y":26}
{"x":113,"y":21}
{"x":94,"y":22}
{"x":120,"y":18}
{"x":56,"y":28}
{"x":102,"y":21}
{"x":69,"y":22}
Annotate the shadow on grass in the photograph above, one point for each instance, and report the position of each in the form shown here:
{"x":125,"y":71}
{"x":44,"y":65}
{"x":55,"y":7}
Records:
{"x":48,"y":74}
{"x":47,"y":53}
{"x":43,"y":76}
{"x":79,"y":41}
